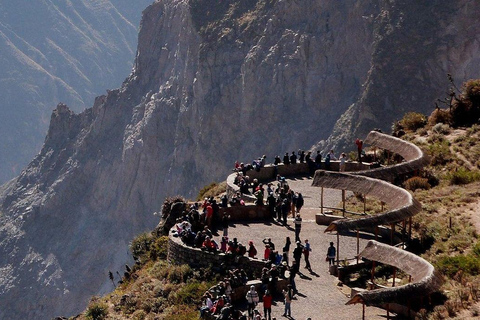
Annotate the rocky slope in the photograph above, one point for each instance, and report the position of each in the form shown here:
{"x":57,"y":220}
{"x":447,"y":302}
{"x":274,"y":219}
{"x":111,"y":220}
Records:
{"x":416,"y":45}
{"x":51,"y":51}
{"x":211,"y":83}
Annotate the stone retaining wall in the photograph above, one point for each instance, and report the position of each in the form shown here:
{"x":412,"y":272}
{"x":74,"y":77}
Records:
{"x":179,"y":253}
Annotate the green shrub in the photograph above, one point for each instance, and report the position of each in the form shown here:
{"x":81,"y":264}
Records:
{"x":412,"y":121}
{"x":96,"y":311}
{"x":415,"y":183}
{"x":450,"y":266}
{"x":141,"y":244}
{"x":439,"y":153}
{"x":159,"y":248}
{"x":463,"y":176}
{"x":441,"y":128}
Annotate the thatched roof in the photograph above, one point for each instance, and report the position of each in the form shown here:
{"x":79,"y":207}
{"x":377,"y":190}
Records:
{"x":401,"y":203}
{"x":425,"y":279}
{"x":414,"y":157}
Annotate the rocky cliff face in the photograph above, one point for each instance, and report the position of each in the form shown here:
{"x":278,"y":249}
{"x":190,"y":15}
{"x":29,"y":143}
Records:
{"x":211,"y":83}
{"x":51,"y":51}
{"x":416,"y":44}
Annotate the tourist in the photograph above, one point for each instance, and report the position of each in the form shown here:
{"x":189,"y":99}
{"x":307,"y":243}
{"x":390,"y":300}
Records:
{"x":331,"y":254}
{"x":301,"y":156}
{"x":207,"y":304}
{"x":293,"y":158}
{"x":297,"y":253}
{"x":277,"y":160}
{"x":318,"y":160}
{"x":252,"y":251}
{"x":288,"y":295}
{"x":269,"y":242}
{"x":286,"y":247}
{"x":306,"y":254}
{"x":299,"y":203}
{"x":298,"y":226}
{"x":252,"y":300}
{"x":343,"y":159}
{"x":359,"y":144}
{"x":327,"y":162}
{"x":332,"y":155}
{"x":267,"y":305}
{"x":286,"y":159}
{"x":225,"y":223}
{"x":266,"y":253}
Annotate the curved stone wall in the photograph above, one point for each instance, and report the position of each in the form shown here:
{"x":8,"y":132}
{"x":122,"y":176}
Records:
{"x":403,"y":206}
{"x":425,"y":279}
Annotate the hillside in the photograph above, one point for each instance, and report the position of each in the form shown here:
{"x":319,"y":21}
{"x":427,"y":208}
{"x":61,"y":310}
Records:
{"x":54,"y":51}
{"x":211,"y":84}
{"x":445,"y":233}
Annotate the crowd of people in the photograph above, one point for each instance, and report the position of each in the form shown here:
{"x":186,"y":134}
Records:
{"x":195,"y":225}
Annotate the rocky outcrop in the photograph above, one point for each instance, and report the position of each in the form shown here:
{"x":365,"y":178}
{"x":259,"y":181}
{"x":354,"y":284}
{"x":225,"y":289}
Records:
{"x":212,"y":83}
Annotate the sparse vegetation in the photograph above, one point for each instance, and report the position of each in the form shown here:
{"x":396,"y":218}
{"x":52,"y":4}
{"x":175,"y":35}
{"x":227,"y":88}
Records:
{"x":415,"y":183}
{"x":96,"y":310}
{"x":212,"y":190}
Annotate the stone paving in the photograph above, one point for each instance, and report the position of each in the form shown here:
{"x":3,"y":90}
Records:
{"x":319,"y":296}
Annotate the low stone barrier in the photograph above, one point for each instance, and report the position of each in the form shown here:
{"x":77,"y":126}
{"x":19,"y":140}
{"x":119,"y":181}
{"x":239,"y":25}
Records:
{"x":179,"y":253}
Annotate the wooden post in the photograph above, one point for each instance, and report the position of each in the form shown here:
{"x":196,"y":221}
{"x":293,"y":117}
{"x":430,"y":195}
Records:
{"x":394,"y":276}
{"x":364,"y":204}
{"x":392,"y":230}
{"x":343,"y":202}
{"x":363,"y":311}
{"x":410,"y":228}
{"x":376,"y":233}
{"x":321,"y":201}
{"x":338,"y":249}
{"x":373,"y":272}
{"x":450,"y":222}
{"x":388,"y":311}
{"x":358,"y":244}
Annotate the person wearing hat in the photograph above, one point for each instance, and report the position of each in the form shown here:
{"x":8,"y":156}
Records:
{"x":252,"y":300}
{"x":297,"y":253}
{"x":267,"y":305}
{"x":298,"y":226}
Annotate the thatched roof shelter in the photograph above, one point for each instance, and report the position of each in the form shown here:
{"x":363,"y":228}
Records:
{"x":425,"y":279}
{"x":401,"y":202}
{"x":414,"y":157}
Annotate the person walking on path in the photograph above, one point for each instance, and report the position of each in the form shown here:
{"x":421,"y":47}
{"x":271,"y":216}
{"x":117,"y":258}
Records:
{"x":300,"y":202}
{"x":252,"y":300}
{"x":288,"y":295}
{"x":267,"y":305}
{"x":286,"y":247}
{"x":306,"y":254}
{"x":297,"y":253}
{"x":331,"y":254}
{"x":298,"y":226}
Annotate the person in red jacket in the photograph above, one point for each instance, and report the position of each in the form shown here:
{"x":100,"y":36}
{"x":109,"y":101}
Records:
{"x":267,"y":305}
